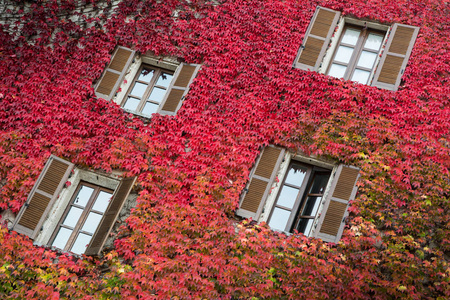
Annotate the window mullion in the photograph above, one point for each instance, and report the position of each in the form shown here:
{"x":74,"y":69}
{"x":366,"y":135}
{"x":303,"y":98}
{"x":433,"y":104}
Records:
{"x":148,"y":91}
{"x":298,"y":201}
{"x":83,"y":217}
{"x":355,"y":55}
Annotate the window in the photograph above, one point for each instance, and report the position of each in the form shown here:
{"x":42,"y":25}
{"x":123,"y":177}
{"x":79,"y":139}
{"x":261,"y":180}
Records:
{"x":356,"y":54}
{"x":311,"y":196}
{"x":298,"y":199}
{"x":148,"y":90}
{"x":153,"y":85}
{"x":365,"y":52}
{"x":81,"y":218}
{"x":77,"y":218}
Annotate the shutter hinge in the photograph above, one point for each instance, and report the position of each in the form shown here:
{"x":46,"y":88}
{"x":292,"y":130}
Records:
{"x":403,"y":70}
{"x":245,"y":189}
{"x":302,"y":46}
{"x":26,"y":204}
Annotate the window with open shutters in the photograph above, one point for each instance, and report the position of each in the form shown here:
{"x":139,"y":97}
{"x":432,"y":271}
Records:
{"x":308,"y":197}
{"x":361,"y":51}
{"x":81,"y":219}
{"x":152,"y":85}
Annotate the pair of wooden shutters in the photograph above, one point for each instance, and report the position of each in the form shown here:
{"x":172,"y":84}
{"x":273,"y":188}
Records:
{"x":118,"y":67}
{"x":45,"y":192}
{"x":330,"y":224}
{"x":393,"y":60}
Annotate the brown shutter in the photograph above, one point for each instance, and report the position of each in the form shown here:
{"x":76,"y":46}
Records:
{"x":342,"y":190}
{"x":42,"y":196}
{"x":178,"y":88}
{"x":110,"y":216}
{"x":395,"y":56}
{"x":114,"y":73}
{"x":261,"y":181}
{"x":317,"y":38}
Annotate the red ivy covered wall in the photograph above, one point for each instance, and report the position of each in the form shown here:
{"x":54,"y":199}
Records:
{"x":180,"y":240}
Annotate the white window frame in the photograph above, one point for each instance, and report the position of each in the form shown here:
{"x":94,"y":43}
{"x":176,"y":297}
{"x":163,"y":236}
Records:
{"x":276,"y":186}
{"x":334,"y":42}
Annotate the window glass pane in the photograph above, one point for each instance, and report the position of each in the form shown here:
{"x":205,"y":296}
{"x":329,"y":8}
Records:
{"x":146,"y":75}
{"x":61,"y":238}
{"x":139,"y":89}
{"x":296,"y":174}
{"x":287,"y":196}
{"x":83,"y":196}
{"x":337,"y":71}
{"x":360,"y":76}
{"x":92,"y":222}
{"x":319,"y":183}
{"x":164,"y":79}
{"x":150,"y":108}
{"x":350,"y":36}
{"x":81,"y":243}
{"x":279,"y":218}
{"x":73,"y":216}
{"x":102,"y":201}
{"x":367,"y":59}
{"x":311,"y":206}
{"x":373,"y":41}
{"x":131,"y":104}
{"x":304,"y":226}
{"x":157,"y":94}
{"x":343,"y":54}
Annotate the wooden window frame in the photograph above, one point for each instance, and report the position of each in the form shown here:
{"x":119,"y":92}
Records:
{"x":358,"y":49}
{"x":150,"y":86}
{"x":86,"y":210}
{"x":300,"y":201}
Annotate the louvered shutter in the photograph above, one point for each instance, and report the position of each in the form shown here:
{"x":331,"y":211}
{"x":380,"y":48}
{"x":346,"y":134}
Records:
{"x":178,"y":88}
{"x":42,"y":196}
{"x":265,"y":171}
{"x":110,"y":216}
{"x":395,"y":56}
{"x":114,"y":73}
{"x":317,"y":38}
{"x":342,"y":190}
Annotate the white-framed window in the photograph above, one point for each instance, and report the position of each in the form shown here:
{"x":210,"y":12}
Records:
{"x":143,"y":84}
{"x":297,"y":193}
{"x":76,"y":218}
{"x":358,"y":50}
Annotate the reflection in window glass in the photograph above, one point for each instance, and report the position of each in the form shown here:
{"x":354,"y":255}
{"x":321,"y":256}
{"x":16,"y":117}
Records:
{"x":83,"y":196}
{"x":311,"y":206}
{"x":146,"y":75}
{"x":102,"y":201}
{"x":295,"y":176}
{"x":361,"y":76}
{"x":157,"y":94}
{"x":91,"y":223}
{"x":287,"y":197}
{"x":131,"y":104}
{"x":164,"y":80}
{"x":150,"y":108}
{"x":138,"y":89}
{"x":279,"y":219}
{"x":73,"y":216}
{"x":305,"y":226}
{"x":367,"y":59}
{"x":373,"y":42}
{"x":61,"y":238}
{"x":337,"y":71}
{"x":81,"y":243}
{"x":350,"y":36}
{"x":343,"y":54}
